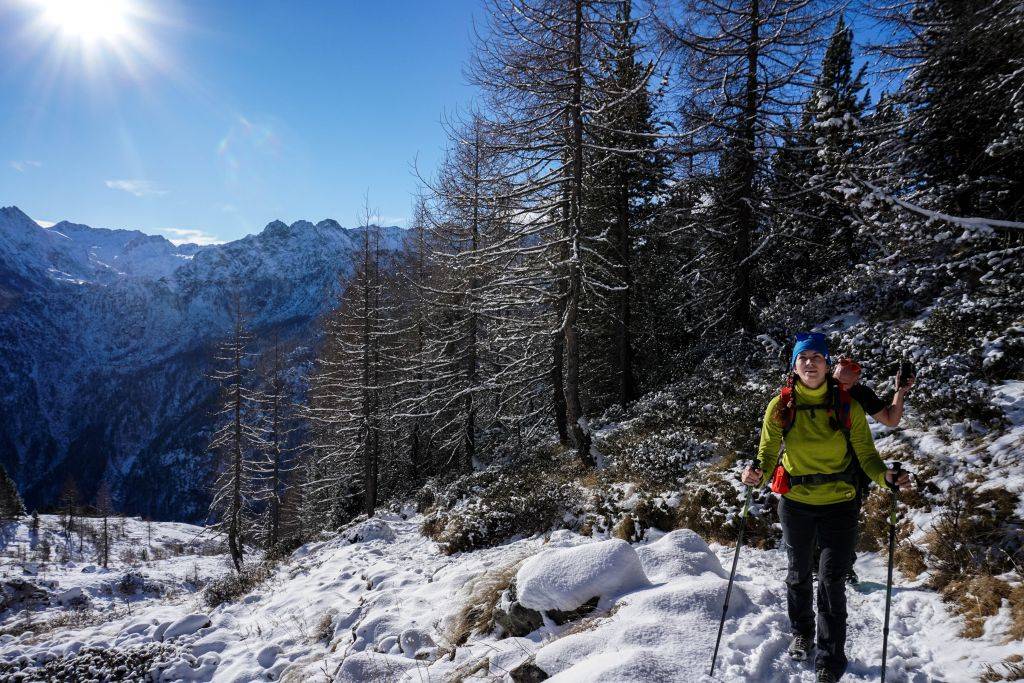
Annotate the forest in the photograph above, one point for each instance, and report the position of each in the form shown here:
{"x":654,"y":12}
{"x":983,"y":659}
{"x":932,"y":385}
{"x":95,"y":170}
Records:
{"x":598,"y":288}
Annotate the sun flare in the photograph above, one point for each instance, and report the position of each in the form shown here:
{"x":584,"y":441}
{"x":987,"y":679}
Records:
{"x":88,"y":20}
{"x":107,"y":41}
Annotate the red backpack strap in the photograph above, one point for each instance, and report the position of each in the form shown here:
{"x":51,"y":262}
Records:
{"x":785,"y":410}
{"x":844,"y":408}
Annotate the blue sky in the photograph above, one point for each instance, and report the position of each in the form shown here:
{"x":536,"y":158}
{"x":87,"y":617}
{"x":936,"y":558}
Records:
{"x":207,"y":120}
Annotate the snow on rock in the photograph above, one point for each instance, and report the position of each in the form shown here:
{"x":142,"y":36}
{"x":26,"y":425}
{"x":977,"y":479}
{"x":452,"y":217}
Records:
{"x":565,"y":578}
{"x":374,"y":666}
{"x":373,"y":529}
{"x":187,"y":625}
{"x":658,"y":634}
{"x":268,"y":655}
{"x":679,"y":553}
{"x":73,"y":596}
{"x":414,"y":641}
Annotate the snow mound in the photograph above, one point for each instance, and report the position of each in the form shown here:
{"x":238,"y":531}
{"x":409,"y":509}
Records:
{"x":370,"y":530}
{"x":680,"y":553}
{"x":565,"y":578}
{"x":373,"y":666}
{"x":664,"y":633}
{"x":186,"y":626}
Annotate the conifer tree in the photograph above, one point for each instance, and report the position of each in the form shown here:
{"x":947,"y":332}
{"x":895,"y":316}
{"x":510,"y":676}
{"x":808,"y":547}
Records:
{"x":104,"y":508}
{"x":744,"y":70}
{"x":537,"y":66}
{"x":273,"y":465}
{"x":69,"y":497}
{"x":627,"y":174}
{"x":964,"y":94}
{"x":352,"y":399}
{"x":11,"y":505}
{"x":237,"y":435}
{"x":814,"y":177}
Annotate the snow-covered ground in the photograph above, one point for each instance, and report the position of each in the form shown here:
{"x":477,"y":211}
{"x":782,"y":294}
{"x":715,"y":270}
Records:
{"x":380,"y":602}
{"x":383,"y":608}
{"x":148,"y":564}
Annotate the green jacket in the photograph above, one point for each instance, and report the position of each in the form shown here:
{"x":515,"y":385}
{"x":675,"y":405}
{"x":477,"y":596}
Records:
{"x":813,"y":447}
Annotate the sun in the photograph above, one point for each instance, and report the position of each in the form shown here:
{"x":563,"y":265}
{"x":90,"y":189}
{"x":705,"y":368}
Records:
{"x":107,"y":41}
{"x":90,"y":21}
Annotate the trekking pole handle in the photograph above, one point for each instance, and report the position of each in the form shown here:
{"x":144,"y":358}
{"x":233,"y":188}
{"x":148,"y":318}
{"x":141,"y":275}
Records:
{"x":897,"y":470}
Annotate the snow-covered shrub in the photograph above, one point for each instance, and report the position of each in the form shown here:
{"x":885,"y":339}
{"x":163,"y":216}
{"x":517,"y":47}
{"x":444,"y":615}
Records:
{"x":661,"y":458}
{"x":977,"y":533}
{"x":627,"y":511}
{"x":515,"y":505}
{"x":134,"y":583}
{"x":234,"y":585}
{"x":532,"y":494}
{"x":711,"y":505}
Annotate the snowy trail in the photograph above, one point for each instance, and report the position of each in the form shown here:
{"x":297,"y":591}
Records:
{"x":389,"y":597}
{"x":923,"y":641}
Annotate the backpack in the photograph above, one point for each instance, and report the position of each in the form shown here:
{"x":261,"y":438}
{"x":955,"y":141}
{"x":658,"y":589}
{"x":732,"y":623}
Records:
{"x":839,"y":405}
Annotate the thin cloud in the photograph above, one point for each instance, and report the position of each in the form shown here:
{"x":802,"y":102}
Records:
{"x":182,"y":236}
{"x":22,"y":166}
{"x":44,"y":224}
{"x":139,"y":188}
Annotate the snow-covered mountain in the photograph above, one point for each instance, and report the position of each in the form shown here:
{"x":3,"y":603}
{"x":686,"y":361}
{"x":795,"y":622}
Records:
{"x":106,"y":338}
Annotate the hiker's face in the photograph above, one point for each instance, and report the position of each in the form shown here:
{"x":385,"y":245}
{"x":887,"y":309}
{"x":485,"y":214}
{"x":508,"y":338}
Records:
{"x":811,"y":368}
{"x":846,"y":374}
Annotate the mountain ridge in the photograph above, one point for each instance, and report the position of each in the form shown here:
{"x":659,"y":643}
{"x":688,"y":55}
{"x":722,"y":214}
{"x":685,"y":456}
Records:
{"x":106,"y":340}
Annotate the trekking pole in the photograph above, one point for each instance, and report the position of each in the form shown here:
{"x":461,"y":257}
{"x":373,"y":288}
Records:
{"x":897,"y":469}
{"x":732,"y":574}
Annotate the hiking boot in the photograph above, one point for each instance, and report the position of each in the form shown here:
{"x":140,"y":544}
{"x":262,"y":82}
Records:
{"x":852,"y":578}
{"x":800,"y":648}
{"x":824,"y":675}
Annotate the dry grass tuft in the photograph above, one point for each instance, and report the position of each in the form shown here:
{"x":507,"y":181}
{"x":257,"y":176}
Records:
{"x":976,"y":599}
{"x":1016,"y":631}
{"x":477,"y":614}
{"x":1012,"y":670}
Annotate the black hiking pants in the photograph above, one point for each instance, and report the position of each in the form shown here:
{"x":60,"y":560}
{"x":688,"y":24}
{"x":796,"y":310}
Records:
{"x":834,"y":527}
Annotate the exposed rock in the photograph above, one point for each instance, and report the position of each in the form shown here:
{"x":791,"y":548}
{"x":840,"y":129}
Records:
{"x":560,"y":617}
{"x":528,"y":672}
{"x":17,"y":593}
{"x":516,"y":620}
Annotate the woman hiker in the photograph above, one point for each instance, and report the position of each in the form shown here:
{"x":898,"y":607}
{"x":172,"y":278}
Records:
{"x":823,"y":430}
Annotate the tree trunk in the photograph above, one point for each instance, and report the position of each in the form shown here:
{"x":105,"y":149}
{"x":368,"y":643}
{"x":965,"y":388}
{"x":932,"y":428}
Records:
{"x":623,"y":342}
{"x":574,"y":414}
{"x":472,"y":372}
{"x":744,"y":196}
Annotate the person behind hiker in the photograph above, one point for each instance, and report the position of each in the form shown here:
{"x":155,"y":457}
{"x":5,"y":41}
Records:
{"x":847,"y":374}
{"x":819,"y":501}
